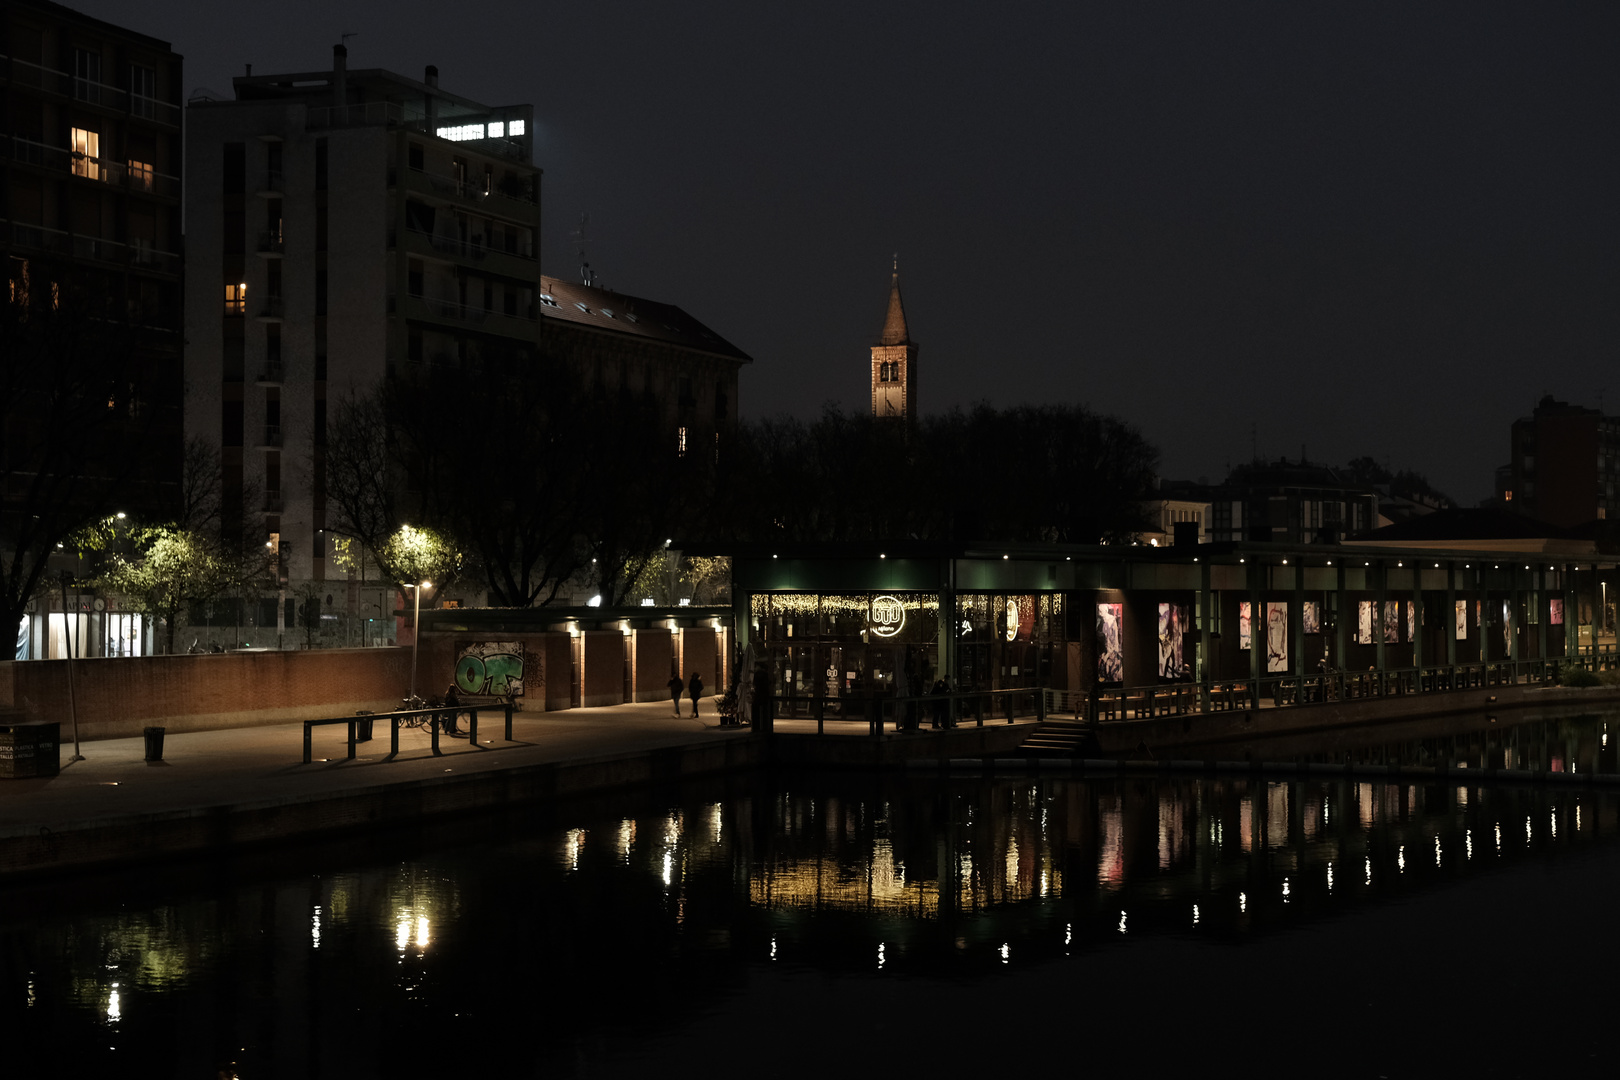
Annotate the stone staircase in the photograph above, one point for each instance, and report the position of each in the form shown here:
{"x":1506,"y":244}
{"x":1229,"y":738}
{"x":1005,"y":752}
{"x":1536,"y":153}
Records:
{"x":1057,"y":737}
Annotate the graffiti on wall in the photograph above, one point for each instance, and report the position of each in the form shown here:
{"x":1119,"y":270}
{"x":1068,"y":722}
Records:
{"x":492,"y":668}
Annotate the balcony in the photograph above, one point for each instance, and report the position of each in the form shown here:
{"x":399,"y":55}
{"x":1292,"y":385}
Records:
{"x":271,"y":245}
{"x":271,"y":441}
{"x":272,"y":374}
{"x":141,"y":253}
{"x":137,"y":177}
{"x":272,"y":185}
{"x":272,"y":309}
{"x":272,"y":502}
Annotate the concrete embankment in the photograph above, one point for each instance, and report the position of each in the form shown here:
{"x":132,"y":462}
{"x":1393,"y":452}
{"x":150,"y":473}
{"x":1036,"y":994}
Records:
{"x":225,"y":791}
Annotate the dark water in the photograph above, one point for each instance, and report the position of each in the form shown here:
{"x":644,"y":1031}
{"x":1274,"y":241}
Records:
{"x":808,"y":924}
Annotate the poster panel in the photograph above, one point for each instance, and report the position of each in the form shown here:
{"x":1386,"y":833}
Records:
{"x":1507,"y":628}
{"x":1392,"y":621}
{"x":1462,"y":617}
{"x":1172,"y":621}
{"x":1411,"y":620}
{"x":1313,"y":616}
{"x":1110,"y":658}
{"x":1277,"y":637}
{"x":1364,"y":622}
{"x":1245,"y":626}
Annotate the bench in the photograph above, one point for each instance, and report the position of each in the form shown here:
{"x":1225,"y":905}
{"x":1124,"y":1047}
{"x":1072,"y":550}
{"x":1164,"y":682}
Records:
{"x":425,"y":716}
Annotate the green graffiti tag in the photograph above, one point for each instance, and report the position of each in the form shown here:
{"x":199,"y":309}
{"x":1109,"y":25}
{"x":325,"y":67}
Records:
{"x":493,"y":668}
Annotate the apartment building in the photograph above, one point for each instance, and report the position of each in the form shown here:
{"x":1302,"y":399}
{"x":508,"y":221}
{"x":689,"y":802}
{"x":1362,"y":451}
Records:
{"x":342,"y":224}
{"x":1565,"y":464}
{"x":90,"y":205}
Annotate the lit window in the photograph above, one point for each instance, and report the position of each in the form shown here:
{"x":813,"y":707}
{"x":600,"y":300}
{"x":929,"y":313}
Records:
{"x":582,"y":307}
{"x":680,"y":442}
{"x":515,"y":128}
{"x":140,"y":175}
{"x":236,"y":299}
{"x":497,"y":130}
{"x":461,"y":132}
{"x":548,"y":300}
{"x":87,"y":153}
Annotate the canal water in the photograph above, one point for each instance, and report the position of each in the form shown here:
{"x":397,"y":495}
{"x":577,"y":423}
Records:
{"x":807,"y":924}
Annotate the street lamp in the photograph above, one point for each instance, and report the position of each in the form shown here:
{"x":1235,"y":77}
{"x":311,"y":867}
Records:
{"x":416,"y":633}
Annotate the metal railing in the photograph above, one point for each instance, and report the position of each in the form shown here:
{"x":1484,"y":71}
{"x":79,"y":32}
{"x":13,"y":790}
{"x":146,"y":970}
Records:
{"x":91,"y":247}
{"x":880,"y":712}
{"x":1284,"y":691}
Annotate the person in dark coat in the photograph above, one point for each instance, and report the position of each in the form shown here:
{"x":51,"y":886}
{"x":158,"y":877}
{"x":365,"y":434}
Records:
{"x":675,"y":688}
{"x":695,"y":688}
{"x":447,"y":719}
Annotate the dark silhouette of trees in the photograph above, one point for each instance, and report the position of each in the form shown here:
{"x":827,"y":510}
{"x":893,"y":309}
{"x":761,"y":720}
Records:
{"x":1052,"y":473}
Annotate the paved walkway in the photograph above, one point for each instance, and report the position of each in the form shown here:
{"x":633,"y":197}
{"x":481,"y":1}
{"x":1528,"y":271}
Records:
{"x":255,"y":764}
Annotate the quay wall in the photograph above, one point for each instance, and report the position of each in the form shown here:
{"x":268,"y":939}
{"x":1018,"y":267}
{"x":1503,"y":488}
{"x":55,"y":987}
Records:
{"x":215,"y":829}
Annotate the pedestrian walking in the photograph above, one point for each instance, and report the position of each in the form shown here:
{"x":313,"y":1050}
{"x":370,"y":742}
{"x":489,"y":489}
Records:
{"x":675,"y":688}
{"x":695,"y":688}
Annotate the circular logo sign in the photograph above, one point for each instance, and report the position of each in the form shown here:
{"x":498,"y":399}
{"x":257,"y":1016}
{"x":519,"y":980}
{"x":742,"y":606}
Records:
{"x":888,"y":616}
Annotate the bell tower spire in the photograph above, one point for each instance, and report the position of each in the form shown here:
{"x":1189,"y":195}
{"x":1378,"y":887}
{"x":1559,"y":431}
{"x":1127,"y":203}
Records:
{"x":894,"y":360}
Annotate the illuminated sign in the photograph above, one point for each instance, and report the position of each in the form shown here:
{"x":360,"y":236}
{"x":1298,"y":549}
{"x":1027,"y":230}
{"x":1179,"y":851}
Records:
{"x":1012,"y":618}
{"x":888,"y":616}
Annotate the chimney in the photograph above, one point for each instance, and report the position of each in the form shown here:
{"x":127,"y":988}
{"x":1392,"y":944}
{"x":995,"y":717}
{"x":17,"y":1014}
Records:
{"x":431,"y":77}
{"x":340,"y":75}
{"x":430,"y":100}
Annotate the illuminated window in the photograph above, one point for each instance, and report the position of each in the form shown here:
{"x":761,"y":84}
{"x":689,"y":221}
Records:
{"x":497,"y":130}
{"x":582,"y":307}
{"x":461,"y":132}
{"x":680,"y":442}
{"x":548,"y":300}
{"x":140,"y":175}
{"x":236,"y":299}
{"x":87,"y":153}
{"x":515,"y":128}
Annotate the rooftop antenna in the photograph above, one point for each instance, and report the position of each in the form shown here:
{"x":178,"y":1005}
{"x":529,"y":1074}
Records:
{"x":346,"y":35}
{"x":581,"y":238}
{"x":1254,"y":440}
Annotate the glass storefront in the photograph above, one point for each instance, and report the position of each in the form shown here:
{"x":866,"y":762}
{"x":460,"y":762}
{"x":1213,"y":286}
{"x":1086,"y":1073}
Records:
{"x":839,"y":645}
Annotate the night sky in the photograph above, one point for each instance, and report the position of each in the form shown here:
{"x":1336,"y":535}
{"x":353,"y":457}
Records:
{"x":1358,"y":228}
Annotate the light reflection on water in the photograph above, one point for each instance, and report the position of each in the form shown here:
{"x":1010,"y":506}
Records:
{"x":671,"y":904}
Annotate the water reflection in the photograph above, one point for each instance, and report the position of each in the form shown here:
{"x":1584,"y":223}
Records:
{"x":672,"y":904}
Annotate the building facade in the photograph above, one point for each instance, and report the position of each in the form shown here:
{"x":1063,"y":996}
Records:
{"x":1289,"y":502}
{"x":90,"y":239}
{"x":1565,"y":464}
{"x":344,"y":226}
{"x":894,"y":362}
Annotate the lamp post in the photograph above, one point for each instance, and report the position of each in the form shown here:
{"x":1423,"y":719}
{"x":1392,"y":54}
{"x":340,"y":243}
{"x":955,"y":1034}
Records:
{"x":416,"y":633}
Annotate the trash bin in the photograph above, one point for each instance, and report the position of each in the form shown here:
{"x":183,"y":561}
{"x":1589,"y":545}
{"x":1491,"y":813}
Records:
{"x":362,"y":726}
{"x":47,"y":749}
{"x":154,"y":743}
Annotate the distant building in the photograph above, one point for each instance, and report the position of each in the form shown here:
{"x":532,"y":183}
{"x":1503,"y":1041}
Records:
{"x":1565,"y":463}
{"x":1179,"y":513}
{"x":1290,"y":502}
{"x":894,"y":361}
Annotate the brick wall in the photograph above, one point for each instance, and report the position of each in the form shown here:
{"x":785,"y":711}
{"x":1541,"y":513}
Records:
{"x":602,"y":674}
{"x":653,"y":655}
{"x":117,"y":696}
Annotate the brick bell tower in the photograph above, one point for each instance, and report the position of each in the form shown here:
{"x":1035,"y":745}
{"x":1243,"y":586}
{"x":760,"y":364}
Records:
{"x":894,"y":361}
